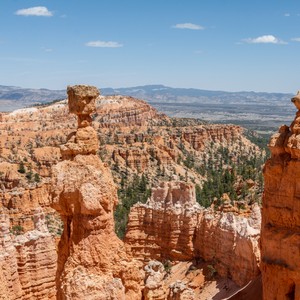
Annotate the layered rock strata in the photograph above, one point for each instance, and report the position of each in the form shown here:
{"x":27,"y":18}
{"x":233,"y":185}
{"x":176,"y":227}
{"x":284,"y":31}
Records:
{"x":27,"y":261}
{"x":92,"y":261}
{"x":231,"y":243}
{"x":280,"y":237}
{"x":171,"y":225}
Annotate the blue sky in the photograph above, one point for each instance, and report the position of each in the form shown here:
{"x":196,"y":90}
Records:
{"x":229,"y":45}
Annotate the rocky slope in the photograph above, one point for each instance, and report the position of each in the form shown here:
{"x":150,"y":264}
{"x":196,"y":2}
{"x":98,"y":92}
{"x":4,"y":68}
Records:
{"x":280,"y":222}
{"x":173,"y":226}
{"x":134,"y":139}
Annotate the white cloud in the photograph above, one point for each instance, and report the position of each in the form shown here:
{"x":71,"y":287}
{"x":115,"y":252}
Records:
{"x":264,"y":39}
{"x":188,"y":26}
{"x":296,"y":39}
{"x":103,"y":44}
{"x":287,"y":14}
{"x":39,"y":11}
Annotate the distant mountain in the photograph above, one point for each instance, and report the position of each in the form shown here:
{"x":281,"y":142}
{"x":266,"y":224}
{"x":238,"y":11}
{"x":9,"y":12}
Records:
{"x":161,"y":93}
{"x":255,"y":110}
{"x":12,"y":97}
{"x":17,"y":97}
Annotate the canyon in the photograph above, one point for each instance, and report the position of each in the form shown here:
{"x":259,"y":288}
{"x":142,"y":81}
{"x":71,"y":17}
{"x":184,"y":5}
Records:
{"x":60,"y":174}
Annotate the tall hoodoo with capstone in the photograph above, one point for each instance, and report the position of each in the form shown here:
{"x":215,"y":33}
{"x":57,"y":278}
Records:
{"x":280,"y":235}
{"x":92,"y":261}
{"x":82,"y":102}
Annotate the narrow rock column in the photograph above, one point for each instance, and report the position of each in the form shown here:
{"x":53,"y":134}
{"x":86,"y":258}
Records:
{"x":82,"y":102}
{"x":280,"y":234}
{"x":92,"y":262}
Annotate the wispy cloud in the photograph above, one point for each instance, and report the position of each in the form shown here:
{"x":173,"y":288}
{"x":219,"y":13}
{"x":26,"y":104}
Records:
{"x":39,"y":11}
{"x":103,"y":44}
{"x":188,"y":26}
{"x":296,"y":39}
{"x":47,"y":49}
{"x":287,"y":14}
{"x":264,"y":39}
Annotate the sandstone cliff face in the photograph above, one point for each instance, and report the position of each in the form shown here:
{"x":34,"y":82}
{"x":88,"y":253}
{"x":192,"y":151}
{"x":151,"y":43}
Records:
{"x":92,"y":261}
{"x":164,"y":227}
{"x":218,"y":133}
{"x":231,"y":243}
{"x":171,"y":225}
{"x":120,"y":111}
{"x":27,"y":262}
{"x":280,"y":223}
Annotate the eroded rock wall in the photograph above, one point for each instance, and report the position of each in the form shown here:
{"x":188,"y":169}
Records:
{"x":231,"y":242}
{"x":280,"y":240}
{"x":27,"y":261}
{"x":171,"y":225}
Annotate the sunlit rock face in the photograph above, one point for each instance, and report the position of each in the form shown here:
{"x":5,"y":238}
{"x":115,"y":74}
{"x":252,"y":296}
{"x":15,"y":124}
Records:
{"x":172,"y":225}
{"x":27,"y":261}
{"x":280,"y":240}
{"x":92,"y":262}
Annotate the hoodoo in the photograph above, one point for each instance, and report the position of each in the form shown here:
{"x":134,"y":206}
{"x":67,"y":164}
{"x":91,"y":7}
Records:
{"x":92,"y":262}
{"x":280,"y":239}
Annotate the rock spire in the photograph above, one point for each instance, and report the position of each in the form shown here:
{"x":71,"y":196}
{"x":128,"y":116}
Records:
{"x":82,"y":102}
{"x":92,"y":262}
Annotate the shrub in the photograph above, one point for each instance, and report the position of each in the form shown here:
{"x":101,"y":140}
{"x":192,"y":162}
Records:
{"x":21,"y":168}
{"x":37,"y":177}
{"x":17,"y":230}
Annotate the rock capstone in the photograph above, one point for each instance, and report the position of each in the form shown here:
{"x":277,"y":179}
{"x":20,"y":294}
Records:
{"x":82,"y":102}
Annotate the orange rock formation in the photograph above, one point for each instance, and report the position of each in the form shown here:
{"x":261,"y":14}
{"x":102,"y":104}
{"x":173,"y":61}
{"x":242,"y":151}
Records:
{"x":281,"y":214}
{"x":171,"y":225}
{"x":135,"y":138}
{"x":92,"y":262}
{"x":27,"y":262}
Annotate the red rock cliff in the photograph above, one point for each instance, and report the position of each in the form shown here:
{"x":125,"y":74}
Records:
{"x":27,"y":261}
{"x":171,"y":225}
{"x":280,"y":239}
